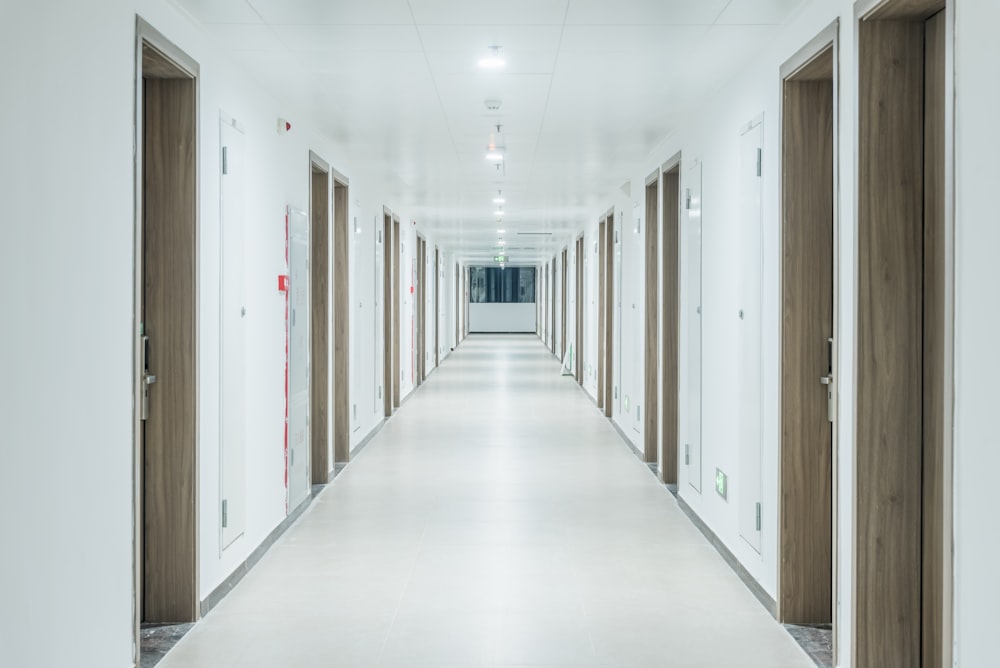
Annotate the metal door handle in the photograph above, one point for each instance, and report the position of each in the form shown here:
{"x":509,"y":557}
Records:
{"x":149,"y":378}
{"x":826,"y":380}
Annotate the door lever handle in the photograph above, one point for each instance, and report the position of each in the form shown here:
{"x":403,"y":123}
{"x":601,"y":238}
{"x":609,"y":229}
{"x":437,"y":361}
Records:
{"x":149,"y":379}
{"x":826,"y":380}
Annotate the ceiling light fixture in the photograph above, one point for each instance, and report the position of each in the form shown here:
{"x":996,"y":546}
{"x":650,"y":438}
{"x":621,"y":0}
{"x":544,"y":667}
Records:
{"x":498,"y":213}
{"x":501,"y":231}
{"x":493,"y":61}
{"x":499,"y":198}
{"x":495,"y":146}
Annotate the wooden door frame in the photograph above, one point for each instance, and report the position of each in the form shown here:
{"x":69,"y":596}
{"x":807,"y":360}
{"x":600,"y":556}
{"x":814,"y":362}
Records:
{"x":669,"y":248}
{"x":419,"y":311}
{"x":825,"y":44}
{"x":651,"y":363}
{"x":578,"y":292}
{"x":387,"y":320}
{"x":609,"y":317}
{"x":397,"y":368}
{"x":865,"y":11}
{"x":552,"y":304}
{"x":342,"y":234}
{"x":319,"y":341}
{"x":562,"y":303}
{"x":602,"y":312}
{"x":438,"y":270}
{"x":146,"y":35}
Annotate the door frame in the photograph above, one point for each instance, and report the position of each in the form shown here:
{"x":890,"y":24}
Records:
{"x":610,"y":248}
{"x":341,"y":314}
{"x":320,"y":359}
{"x":827,"y":40}
{"x":886,"y":9}
{"x":388,"y":296}
{"x":438,"y":275}
{"x":669,"y":304}
{"x":147,"y":35}
{"x":651,"y":325}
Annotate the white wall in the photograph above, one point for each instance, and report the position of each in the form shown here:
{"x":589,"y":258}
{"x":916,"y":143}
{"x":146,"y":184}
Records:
{"x":70,"y":354}
{"x":65,"y":364}
{"x":977,"y":358}
{"x":711,"y":135}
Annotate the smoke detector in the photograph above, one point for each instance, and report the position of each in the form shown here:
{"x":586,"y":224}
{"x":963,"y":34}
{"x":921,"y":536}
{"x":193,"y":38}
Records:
{"x":493,"y":105}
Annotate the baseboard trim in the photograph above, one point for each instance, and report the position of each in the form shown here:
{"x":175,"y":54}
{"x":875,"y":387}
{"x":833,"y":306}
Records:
{"x":730,"y":558}
{"x":631,"y":446}
{"x":220,"y":592}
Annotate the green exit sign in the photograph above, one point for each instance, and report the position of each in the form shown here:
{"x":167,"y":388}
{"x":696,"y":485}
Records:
{"x":721,"y":484}
{"x":499,"y":258}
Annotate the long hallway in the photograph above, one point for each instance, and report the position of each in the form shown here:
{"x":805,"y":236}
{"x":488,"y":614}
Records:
{"x":497,"y":519}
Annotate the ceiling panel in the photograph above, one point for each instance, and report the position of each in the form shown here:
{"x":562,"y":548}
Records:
{"x":582,"y":103}
{"x":356,"y":39}
{"x":631,"y":39}
{"x":222,"y":11}
{"x":753,"y":12}
{"x":644,"y":12}
{"x":518,"y":62}
{"x":246,"y":37}
{"x":501,"y":12}
{"x":343,"y":12}
{"x":473,"y":42}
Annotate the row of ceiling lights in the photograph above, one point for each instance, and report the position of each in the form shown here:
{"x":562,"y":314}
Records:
{"x":496,"y":146}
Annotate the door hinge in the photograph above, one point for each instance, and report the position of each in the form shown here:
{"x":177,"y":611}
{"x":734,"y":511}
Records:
{"x":760,"y":159}
{"x":758,"y":516}
{"x":225,"y":513}
{"x":225,"y":160}
{"x":687,"y":454}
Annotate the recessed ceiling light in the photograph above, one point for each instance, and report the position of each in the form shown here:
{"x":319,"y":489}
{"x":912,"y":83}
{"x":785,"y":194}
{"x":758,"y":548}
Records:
{"x":499,"y":198}
{"x":495,"y":154}
{"x":493,"y":61}
{"x":501,"y":231}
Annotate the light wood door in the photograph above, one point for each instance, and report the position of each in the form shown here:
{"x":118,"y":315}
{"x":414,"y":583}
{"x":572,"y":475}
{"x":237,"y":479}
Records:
{"x":579,"y":298}
{"x":342,"y":235}
{"x":650,"y":436}
{"x":805,"y":589}
{"x":388,"y":322}
{"x":901,"y":546}
{"x":438,"y":276}
{"x":670,"y":307}
{"x":610,"y":246}
{"x":320,"y":320}
{"x":603,"y":295}
{"x":168,"y":441}
{"x":397,"y":368}
{"x":562,"y":303}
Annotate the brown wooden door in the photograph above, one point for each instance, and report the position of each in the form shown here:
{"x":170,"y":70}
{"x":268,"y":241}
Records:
{"x":168,"y":440}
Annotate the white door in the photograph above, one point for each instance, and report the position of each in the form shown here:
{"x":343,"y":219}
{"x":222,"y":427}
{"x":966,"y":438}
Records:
{"x":232,"y":335}
{"x":298,"y":358}
{"x":748,"y":320}
{"x":691,"y":352}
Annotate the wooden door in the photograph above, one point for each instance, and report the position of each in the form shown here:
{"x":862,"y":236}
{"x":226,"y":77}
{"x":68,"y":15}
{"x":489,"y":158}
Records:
{"x":670,"y":306}
{"x":168,"y":341}
{"x":342,"y":234}
{"x":805,"y":590}
{"x":651,"y":332}
{"x":320,"y":335}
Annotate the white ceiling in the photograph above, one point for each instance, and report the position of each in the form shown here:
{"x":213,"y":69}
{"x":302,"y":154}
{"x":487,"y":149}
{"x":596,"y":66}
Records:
{"x":590,"y":87}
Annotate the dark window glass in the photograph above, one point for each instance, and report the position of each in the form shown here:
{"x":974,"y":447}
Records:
{"x":510,"y":285}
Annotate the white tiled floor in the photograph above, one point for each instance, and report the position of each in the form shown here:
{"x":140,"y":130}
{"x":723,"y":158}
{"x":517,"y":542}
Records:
{"x":497,"y":519}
